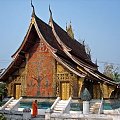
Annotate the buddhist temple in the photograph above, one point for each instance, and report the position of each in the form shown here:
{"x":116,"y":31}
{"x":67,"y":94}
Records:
{"x":51,"y":63}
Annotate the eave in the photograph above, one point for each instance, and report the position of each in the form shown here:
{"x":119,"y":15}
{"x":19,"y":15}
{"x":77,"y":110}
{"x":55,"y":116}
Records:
{"x":75,"y":71}
{"x":14,"y":65}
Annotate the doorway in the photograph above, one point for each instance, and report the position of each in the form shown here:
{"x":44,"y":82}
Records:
{"x":17,"y":90}
{"x":65,"y":90}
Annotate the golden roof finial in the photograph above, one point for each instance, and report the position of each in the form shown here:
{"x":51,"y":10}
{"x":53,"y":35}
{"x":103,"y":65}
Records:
{"x":70,"y":30}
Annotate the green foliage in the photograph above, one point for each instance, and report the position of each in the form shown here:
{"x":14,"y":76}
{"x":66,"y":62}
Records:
{"x":116,"y":76}
{"x":85,"y":95}
{"x":2,"y":88}
{"x":2,"y":103}
{"x":112,"y":72}
{"x":108,"y":70}
{"x":2,"y":117}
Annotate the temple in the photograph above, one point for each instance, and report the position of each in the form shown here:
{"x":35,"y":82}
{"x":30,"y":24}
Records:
{"x":50,"y":63}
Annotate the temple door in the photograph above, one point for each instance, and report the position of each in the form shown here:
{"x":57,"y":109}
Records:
{"x":65,"y":90}
{"x":17,"y":91}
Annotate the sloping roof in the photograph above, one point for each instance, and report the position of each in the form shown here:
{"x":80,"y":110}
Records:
{"x":77,"y":49}
{"x":28,"y":40}
{"x":15,"y":64}
{"x":47,"y":33}
{"x":39,"y":29}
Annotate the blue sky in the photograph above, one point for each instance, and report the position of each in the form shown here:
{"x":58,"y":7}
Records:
{"x":95,"y":21}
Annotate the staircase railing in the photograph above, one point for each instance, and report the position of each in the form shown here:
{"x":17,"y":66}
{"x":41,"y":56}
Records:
{"x":5,"y":105}
{"x":54,"y":104}
{"x":17,"y":104}
{"x":67,"y":107}
{"x":101,"y":107}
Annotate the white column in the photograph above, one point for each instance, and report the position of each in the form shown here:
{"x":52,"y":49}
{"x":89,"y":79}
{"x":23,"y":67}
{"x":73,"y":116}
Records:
{"x":86,"y":107}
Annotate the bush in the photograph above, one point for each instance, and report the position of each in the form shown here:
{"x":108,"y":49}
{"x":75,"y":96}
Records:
{"x":2,"y":90}
{"x":2,"y":117}
{"x":85,"y":96}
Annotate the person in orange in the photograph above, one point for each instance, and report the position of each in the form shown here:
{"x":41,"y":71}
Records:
{"x":34,"y":108}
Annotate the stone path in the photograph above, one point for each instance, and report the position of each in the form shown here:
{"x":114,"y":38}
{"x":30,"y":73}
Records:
{"x":39,"y":117}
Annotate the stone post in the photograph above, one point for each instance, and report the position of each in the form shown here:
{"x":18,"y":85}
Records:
{"x":47,"y":114}
{"x":86,"y":107}
{"x":26,"y":114}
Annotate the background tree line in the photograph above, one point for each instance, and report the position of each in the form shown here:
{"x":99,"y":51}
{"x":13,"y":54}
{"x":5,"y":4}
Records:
{"x":112,"y":71}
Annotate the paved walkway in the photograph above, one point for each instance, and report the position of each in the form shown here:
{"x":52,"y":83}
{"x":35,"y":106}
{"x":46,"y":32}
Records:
{"x":39,"y":117}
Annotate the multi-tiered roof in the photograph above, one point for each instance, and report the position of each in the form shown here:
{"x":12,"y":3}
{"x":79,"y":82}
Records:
{"x":66,"y":50}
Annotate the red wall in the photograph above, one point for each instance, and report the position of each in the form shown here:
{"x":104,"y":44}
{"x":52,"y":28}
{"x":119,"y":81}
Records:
{"x":40,"y":67}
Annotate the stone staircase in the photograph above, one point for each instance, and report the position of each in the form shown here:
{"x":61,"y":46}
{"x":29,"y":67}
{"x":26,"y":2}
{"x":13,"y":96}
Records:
{"x":12,"y":104}
{"x":96,"y":106}
{"x":62,"y":106}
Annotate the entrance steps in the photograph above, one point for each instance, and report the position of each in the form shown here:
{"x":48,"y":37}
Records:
{"x":61,"y":106}
{"x":11,"y":104}
{"x":96,"y":106}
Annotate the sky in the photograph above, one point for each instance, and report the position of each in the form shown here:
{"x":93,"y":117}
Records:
{"x":95,"y":21}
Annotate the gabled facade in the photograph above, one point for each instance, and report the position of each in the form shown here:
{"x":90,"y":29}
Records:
{"x":49,"y":63}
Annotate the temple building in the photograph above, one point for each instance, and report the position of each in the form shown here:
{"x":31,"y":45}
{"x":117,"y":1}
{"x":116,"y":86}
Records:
{"x":50,"y":62}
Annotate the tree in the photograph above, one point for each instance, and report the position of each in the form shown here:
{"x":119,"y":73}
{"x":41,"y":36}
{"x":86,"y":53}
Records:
{"x":112,"y":71}
{"x":2,"y":89}
{"x":116,"y":76}
{"x":108,"y":70}
{"x":2,"y":117}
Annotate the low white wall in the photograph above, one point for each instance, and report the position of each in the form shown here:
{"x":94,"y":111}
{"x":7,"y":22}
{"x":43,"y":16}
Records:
{"x":40,"y":111}
{"x":16,"y":115}
{"x":77,"y":116}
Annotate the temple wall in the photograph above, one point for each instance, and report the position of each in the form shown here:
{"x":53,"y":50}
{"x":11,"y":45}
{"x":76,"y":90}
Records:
{"x":66,"y":77}
{"x":107,"y":90}
{"x":63,"y":76}
{"x":96,"y":91}
{"x":80,"y":85}
{"x":40,"y":71}
{"x":42,"y":76}
{"x":18,"y":77}
{"x":110,"y":90}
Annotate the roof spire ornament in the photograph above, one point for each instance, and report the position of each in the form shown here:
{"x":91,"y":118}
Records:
{"x":50,"y":20}
{"x":70,"y":30}
{"x":50,"y":12}
{"x":33,"y":12}
{"x":96,"y":62}
{"x":84,"y":42}
{"x":66,"y":26}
